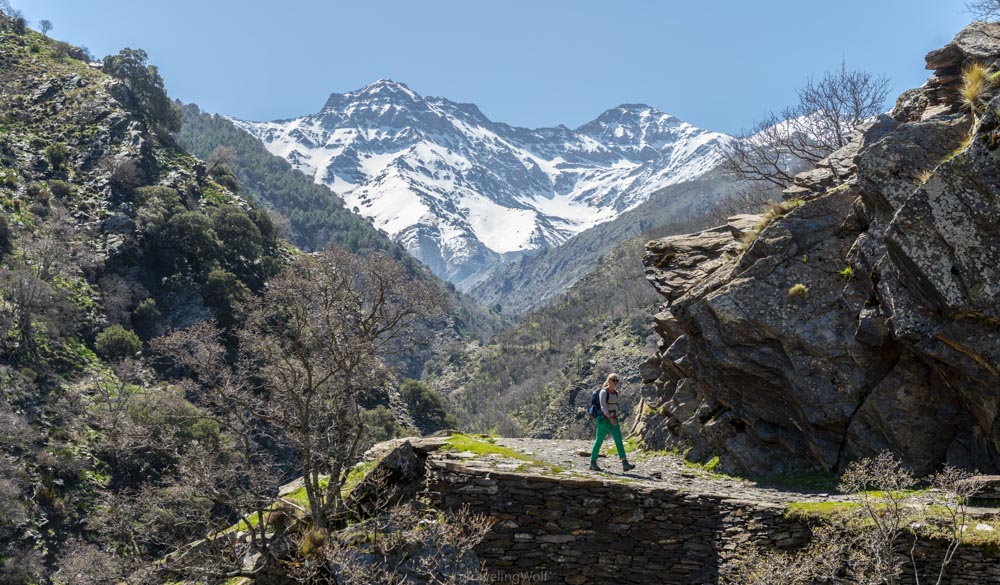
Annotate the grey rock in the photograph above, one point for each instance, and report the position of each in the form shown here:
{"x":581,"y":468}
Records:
{"x":900,"y":352}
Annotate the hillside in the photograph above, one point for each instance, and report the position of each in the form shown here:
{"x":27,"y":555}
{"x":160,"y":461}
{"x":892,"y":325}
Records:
{"x":535,"y":377}
{"x":535,"y":279}
{"x":112,"y":235}
{"x":464,"y":193}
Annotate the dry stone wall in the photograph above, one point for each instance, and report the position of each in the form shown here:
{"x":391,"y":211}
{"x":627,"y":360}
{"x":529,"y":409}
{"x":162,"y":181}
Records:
{"x":582,"y":531}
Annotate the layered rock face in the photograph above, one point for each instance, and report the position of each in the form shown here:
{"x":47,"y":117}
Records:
{"x":892,"y":341}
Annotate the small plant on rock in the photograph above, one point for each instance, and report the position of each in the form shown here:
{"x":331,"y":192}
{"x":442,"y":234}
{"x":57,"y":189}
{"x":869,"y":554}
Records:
{"x":976,"y":79}
{"x":847,"y":272}
{"x":798,"y":292}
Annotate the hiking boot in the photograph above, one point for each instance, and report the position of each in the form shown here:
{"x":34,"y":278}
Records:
{"x":593,"y":466}
{"x":626,"y":466}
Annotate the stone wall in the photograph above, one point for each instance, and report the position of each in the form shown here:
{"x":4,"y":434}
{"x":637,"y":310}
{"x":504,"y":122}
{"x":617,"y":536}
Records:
{"x":584,"y":531}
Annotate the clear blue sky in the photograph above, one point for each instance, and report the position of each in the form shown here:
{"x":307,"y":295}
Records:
{"x":716,"y":63}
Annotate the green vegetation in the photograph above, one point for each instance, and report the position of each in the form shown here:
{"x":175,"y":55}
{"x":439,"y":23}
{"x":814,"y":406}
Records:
{"x":146,"y":86}
{"x":427,"y":407}
{"x":486,"y":446}
{"x":57,"y":155}
{"x":630,"y":443}
{"x":847,"y":272}
{"x":461,"y":442}
{"x":823,"y":509}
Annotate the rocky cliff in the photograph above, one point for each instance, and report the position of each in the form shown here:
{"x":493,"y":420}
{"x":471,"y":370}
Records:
{"x":861,"y":316}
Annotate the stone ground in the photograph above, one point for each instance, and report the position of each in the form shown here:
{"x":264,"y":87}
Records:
{"x":571,"y":457}
{"x":658,"y":469}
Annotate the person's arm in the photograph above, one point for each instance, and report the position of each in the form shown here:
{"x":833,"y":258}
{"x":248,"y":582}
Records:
{"x":604,"y":404}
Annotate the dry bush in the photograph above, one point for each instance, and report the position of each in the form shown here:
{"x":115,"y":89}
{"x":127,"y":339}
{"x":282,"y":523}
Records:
{"x":871,"y":540}
{"x":123,"y":173}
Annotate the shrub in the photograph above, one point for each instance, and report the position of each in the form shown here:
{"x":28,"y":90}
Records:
{"x":145,"y":317}
{"x":60,"y":189}
{"x":123,"y":173}
{"x":188,"y":243}
{"x":57,"y":154}
{"x":6,"y":238}
{"x":116,"y":342}
{"x":798,"y":292}
{"x":241,"y":239}
{"x":426,"y":407}
{"x":224,"y":291}
{"x":156,"y":206}
{"x":380,"y":425}
{"x":8,"y":178}
{"x":975,"y":80}
{"x":265,"y":225}
{"x":39,"y":193}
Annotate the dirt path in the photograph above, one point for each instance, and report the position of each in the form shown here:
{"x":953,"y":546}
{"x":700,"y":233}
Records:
{"x":662,"y":470}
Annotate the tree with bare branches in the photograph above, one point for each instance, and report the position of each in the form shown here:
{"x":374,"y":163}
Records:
{"x":311,"y":349}
{"x":986,"y":10}
{"x":829,"y":109}
{"x":873,"y":537}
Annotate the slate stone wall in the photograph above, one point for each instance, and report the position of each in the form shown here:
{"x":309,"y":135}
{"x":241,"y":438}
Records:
{"x":583,"y":531}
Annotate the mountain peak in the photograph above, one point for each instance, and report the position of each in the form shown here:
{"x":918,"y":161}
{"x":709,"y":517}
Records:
{"x":385,"y":85}
{"x":381,"y":89}
{"x":464,"y":193}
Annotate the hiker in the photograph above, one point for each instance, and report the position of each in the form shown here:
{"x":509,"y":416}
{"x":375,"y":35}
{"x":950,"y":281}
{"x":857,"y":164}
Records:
{"x":604,"y":409}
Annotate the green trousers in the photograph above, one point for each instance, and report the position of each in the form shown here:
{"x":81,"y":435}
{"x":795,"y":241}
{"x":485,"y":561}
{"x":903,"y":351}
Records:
{"x":604,"y":427}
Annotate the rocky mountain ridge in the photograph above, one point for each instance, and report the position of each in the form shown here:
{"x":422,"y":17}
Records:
{"x":861,"y":317}
{"x":464,"y":193}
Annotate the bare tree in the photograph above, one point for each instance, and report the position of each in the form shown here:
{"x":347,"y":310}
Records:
{"x":828,"y":111}
{"x":868,"y":540}
{"x":436,"y":548}
{"x":221,"y":157}
{"x":988,"y":10}
{"x":122,"y":172}
{"x":311,"y":348}
{"x":45,"y":26}
{"x":752,"y":199}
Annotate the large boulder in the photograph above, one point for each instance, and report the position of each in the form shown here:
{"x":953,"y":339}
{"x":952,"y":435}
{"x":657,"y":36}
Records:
{"x":866,"y":318}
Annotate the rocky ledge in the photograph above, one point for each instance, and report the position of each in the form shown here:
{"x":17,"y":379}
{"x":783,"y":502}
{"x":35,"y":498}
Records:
{"x":554,"y":521}
{"x":864,"y":317}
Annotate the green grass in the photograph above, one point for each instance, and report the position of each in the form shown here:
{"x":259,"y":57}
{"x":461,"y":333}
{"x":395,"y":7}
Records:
{"x":462,"y":443}
{"x":631,"y":444}
{"x":811,"y":510}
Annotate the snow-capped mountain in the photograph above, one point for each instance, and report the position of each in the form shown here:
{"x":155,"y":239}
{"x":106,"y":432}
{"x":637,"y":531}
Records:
{"x":462,"y":192}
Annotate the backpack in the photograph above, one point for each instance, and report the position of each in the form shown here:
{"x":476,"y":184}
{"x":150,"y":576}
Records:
{"x":595,"y":404}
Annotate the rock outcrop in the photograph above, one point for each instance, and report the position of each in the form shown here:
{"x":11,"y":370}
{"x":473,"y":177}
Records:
{"x":864,"y":318}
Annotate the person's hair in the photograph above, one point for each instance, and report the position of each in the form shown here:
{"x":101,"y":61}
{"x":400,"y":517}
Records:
{"x":611,"y":376}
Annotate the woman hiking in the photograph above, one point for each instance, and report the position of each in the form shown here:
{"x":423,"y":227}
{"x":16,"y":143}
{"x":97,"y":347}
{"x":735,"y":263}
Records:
{"x":607,"y":422}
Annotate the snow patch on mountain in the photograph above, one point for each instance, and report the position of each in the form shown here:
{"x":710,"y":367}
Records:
{"x":464,"y":193}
